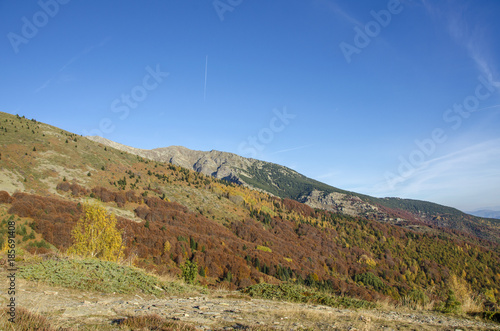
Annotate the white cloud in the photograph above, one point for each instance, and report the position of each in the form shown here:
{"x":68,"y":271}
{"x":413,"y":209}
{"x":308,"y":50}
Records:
{"x":467,"y":179}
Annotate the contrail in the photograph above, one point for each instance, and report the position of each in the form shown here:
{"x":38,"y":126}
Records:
{"x":496,"y":106}
{"x":71,"y":61}
{"x":205,"y":89}
{"x":291,"y":149}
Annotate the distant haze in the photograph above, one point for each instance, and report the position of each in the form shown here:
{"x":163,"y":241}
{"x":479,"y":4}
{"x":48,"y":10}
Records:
{"x":486,"y":213}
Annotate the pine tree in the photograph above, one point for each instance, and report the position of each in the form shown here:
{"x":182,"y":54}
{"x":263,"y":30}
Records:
{"x":189,"y":271}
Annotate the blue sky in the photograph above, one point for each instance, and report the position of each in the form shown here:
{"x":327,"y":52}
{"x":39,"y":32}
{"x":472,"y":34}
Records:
{"x":385,"y":98}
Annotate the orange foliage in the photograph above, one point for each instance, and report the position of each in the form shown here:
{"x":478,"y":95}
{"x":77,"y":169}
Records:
{"x":5,"y":197}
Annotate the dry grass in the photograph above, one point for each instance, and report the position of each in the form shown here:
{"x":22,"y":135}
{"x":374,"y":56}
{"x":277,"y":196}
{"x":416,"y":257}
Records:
{"x":167,"y":277}
{"x":11,"y":181}
{"x":419,"y":301}
{"x":298,"y":314}
{"x":238,"y":296}
{"x":24,"y":320}
{"x":416,"y":300}
{"x":409,"y":302}
{"x":152,"y":322}
{"x":386,"y":305}
{"x":178,"y":283}
{"x":222,"y":287}
{"x":469,"y":300}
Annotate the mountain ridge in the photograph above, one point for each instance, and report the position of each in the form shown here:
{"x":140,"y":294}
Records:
{"x":284,"y":182}
{"x":237,"y":236}
{"x":487,"y":213}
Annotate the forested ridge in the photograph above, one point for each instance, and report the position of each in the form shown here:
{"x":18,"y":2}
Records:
{"x":287,"y":183}
{"x":170,"y":215}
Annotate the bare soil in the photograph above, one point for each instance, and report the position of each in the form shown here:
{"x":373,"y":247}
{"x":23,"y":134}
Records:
{"x":220,"y":310}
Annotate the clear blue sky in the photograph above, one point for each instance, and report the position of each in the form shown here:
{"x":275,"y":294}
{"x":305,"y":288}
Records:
{"x":340,"y":91}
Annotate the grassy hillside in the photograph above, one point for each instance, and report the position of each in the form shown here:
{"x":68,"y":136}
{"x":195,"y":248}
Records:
{"x":287,"y":183}
{"x":236,"y":236}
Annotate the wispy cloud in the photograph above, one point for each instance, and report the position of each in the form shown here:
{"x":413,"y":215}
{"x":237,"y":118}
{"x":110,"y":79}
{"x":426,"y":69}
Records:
{"x":474,"y":169}
{"x":330,"y":174}
{"x":490,"y":107}
{"x":338,"y":11}
{"x":75,"y":58}
{"x":43,"y":86}
{"x":466,"y":32}
{"x":291,"y":149}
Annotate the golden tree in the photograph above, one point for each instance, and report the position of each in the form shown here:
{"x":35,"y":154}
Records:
{"x":95,"y":234}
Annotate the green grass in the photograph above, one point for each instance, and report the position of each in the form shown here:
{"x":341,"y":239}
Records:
{"x":297,"y":293}
{"x":96,"y":275}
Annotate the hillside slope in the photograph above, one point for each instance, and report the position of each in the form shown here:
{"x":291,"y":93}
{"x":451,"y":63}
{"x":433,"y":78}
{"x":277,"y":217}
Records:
{"x":235,"y":235}
{"x":287,"y":183}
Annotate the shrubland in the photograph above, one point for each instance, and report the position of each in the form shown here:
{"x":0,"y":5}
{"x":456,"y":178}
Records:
{"x":168,"y":220}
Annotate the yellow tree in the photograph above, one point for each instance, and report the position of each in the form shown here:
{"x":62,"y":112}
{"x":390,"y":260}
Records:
{"x":95,"y":234}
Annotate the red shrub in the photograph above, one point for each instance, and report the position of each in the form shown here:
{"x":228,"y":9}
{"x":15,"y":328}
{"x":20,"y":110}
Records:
{"x":53,"y":218}
{"x":5,"y":197}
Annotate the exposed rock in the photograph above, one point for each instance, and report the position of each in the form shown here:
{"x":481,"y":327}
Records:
{"x":284,"y":182}
{"x":213,"y":163}
{"x":339,"y":203}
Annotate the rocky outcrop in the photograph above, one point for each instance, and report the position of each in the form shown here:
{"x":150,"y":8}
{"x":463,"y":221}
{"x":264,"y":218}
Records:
{"x":286,"y":183}
{"x":218,"y":164}
{"x":339,"y":203}
{"x":237,"y":169}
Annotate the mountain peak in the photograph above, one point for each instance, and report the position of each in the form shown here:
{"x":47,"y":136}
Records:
{"x":284,"y":182}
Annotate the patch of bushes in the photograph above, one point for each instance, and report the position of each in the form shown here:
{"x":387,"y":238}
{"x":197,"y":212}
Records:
{"x":96,"y":275}
{"x":5,"y":197}
{"x":39,"y":244}
{"x":37,"y":247}
{"x":264,"y":248}
{"x":451,"y":305}
{"x":369,"y":279}
{"x":189,"y":271}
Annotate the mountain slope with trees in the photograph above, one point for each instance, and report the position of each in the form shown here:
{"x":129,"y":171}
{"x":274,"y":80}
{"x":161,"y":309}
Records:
{"x":284,"y":182}
{"x":172,"y":218}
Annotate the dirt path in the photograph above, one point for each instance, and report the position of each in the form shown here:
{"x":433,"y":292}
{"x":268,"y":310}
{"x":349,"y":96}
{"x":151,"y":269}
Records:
{"x":220,"y":310}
